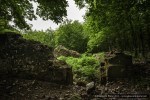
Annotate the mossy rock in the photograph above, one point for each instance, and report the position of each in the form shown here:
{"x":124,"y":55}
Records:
{"x":6,"y":36}
{"x":9,"y":32}
{"x":62,"y":51}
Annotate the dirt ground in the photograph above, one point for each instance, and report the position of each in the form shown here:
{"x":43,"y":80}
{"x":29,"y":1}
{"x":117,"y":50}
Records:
{"x":20,"y":89}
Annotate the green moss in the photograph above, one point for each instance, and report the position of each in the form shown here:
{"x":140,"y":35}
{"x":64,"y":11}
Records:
{"x":6,"y":31}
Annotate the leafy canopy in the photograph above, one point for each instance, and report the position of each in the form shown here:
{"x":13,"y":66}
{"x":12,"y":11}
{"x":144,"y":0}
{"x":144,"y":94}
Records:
{"x":70,"y":34}
{"x":115,"y":23}
{"x":18,"y":11}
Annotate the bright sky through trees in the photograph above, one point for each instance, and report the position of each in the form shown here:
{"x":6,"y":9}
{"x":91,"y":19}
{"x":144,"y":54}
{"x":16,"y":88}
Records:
{"x":73,"y":13}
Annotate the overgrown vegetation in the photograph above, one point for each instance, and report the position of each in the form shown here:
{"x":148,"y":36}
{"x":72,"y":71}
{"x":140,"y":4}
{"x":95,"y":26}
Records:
{"x":85,"y":66}
{"x":109,"y":26}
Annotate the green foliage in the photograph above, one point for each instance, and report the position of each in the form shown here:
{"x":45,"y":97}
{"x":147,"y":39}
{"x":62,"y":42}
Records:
{"x":4,"y":25}
{"x":18,"y":11}
{"x":85,"y":66}
{"x":70,"y":34}
{"x":46,"y":38}
{"x":113,"y":24}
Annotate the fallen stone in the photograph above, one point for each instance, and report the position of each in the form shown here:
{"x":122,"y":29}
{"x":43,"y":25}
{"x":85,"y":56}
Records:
{"x":90,"y":87}
{"x":62,"y":51}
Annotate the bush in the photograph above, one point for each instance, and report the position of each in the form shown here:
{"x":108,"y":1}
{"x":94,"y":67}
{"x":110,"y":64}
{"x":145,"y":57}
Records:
{"x":85,"y":66}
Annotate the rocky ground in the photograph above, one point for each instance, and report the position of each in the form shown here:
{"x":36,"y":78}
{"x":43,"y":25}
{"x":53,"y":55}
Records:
{"x":20,"y":89}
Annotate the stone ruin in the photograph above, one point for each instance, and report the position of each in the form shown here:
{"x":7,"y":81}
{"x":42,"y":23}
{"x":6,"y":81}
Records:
{"x":62,"y":51}
{"x":30,"y":59}
{"x":116,"y":66}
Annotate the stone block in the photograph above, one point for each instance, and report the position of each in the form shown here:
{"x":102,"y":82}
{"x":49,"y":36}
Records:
{"x":120,"y":59}
{"x":116,"y":67}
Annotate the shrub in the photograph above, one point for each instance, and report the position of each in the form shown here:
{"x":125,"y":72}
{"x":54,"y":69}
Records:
{"x":85,"y":66}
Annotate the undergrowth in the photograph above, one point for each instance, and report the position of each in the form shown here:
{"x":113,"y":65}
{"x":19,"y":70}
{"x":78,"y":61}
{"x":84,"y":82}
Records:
{"x":84,"y":66}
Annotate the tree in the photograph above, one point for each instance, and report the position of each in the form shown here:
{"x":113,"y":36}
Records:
{"x":46,"y":38}
{"x":70,"y":34}
{"x":126,"y":21}
{"x":18,"y":11}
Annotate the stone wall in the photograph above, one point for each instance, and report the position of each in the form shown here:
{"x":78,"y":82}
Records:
{"x":120,"y":59}
{"x":30,"y":59}
{"x":117,"y":66}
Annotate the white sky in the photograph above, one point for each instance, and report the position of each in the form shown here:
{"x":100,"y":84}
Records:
{"x":72,"y":11}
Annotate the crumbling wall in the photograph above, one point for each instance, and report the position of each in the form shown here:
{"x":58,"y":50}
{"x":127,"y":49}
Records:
{"x":117,"y":66}
{"x":30,"y":59}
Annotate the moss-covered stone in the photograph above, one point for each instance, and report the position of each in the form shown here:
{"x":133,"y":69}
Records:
{"x":62,"y":51}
